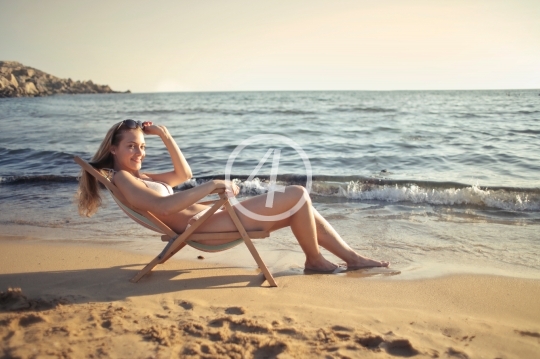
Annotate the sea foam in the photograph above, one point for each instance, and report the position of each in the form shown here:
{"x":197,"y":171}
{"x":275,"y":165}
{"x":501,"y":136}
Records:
{"x":473,"y":195}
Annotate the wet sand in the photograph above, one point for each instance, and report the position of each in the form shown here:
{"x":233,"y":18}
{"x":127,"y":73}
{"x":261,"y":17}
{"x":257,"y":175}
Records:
{"x":73,"y":300}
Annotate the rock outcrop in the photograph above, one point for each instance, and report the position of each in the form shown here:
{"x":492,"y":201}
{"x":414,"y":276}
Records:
{"x":17,"y":80}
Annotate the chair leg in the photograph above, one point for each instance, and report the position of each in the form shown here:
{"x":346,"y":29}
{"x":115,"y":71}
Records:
{"x":147,"y":269}
{"x":250,"y":245}
{"x":166,"y":258}
{"x":179,"y":242}
{"x":168,"y":253}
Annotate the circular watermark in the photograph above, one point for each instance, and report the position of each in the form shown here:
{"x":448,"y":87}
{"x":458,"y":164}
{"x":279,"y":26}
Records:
{"x":272,"y":187}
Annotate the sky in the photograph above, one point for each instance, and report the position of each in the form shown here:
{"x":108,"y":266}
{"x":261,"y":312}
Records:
{"x":246,"y":45}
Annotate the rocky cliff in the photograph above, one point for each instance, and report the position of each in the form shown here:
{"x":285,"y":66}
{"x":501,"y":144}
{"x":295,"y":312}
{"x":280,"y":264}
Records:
{"x":17,"y":80}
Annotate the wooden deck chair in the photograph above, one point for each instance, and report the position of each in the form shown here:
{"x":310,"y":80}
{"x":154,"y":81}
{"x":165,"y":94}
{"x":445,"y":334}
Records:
{"x":176,"y":241}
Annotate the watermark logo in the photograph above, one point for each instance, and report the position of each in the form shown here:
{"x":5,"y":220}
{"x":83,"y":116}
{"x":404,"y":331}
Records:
{"x":272,"y":185}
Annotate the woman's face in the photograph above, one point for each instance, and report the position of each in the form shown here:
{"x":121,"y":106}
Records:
{"x":130,"y":152}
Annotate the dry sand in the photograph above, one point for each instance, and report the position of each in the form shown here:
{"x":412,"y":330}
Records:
{"x":75,"y":301}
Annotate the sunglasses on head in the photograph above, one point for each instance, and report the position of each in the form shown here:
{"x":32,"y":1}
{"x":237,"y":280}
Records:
{"x":131,"y":124}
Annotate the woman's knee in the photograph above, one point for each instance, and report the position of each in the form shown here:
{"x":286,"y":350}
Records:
{"x":298,"y":192}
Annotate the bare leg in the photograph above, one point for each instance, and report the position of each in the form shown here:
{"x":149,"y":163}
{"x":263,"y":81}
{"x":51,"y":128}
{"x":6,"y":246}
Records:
{"x":302,"y":223}
{"x":303,"y":226}
{"x":307,"y":225}
{"x":328,"y":238}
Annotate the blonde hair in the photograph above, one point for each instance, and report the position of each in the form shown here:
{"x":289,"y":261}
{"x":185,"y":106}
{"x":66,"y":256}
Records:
{"x":88,"y":195}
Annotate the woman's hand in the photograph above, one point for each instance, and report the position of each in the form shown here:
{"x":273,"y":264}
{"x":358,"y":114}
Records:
{"x":150,"y":129}
{"x":231,"y":189}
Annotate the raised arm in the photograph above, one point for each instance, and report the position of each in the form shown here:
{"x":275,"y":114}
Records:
{"x":182,"y":171}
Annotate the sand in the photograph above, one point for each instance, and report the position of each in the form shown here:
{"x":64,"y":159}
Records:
{"x":74,"y":301}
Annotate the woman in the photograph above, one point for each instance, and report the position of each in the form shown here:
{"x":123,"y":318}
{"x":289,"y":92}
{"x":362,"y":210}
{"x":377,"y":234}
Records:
{"x":121,"y":154}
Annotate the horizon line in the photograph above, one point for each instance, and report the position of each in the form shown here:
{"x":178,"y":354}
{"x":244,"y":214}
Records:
{"x":417,"y":90}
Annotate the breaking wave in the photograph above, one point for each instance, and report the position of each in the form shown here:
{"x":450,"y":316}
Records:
{"x":363,"y":189}
{"x":435,"y":193}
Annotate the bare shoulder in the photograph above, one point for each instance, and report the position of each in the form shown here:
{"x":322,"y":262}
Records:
{"x":124,"y":179}
{"x":135,"y":191}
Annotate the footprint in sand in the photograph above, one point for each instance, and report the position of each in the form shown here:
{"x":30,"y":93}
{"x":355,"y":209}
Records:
{"x":454,"y":353}
{"x":185,"y":305}
{"x":369,"y":340}
{"x":235,"y":310}
{"x":400,"y":347}
{"x":31,"y":319}
{"x":342,"y":333}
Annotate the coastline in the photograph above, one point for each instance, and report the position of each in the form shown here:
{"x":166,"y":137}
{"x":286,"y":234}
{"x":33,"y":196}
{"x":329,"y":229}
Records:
{"x":82,"y":304}
{"x":18,"y":80}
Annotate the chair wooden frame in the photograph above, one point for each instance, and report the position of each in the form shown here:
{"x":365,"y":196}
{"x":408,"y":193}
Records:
{"x":177,"y":241}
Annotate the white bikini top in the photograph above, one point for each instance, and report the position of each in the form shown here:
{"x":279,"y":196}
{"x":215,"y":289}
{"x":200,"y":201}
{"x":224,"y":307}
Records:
{"x":160,"y":187}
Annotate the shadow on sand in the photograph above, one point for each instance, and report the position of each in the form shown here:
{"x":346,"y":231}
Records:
{"x":111,"y":284}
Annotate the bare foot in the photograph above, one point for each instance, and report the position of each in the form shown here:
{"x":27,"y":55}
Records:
{"x":363,"y":262}
{"x":320,"y":265}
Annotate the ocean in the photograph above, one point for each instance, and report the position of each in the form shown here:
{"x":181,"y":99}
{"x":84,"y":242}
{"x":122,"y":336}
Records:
{"x":434,"y":181}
